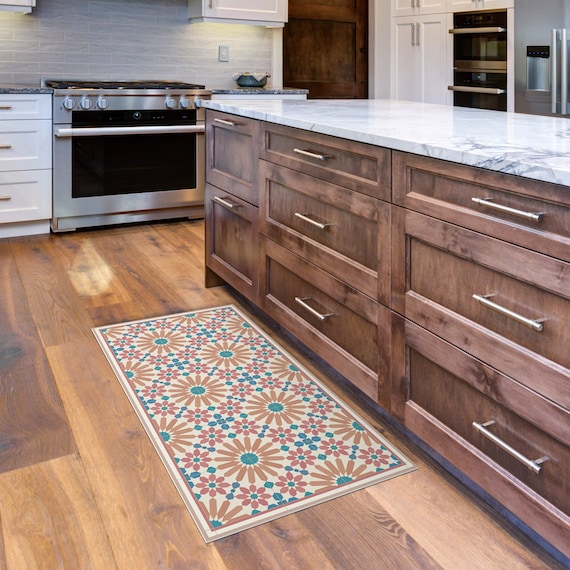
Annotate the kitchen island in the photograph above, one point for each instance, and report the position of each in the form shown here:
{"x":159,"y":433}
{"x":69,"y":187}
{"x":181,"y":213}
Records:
{"x":424,"y":252}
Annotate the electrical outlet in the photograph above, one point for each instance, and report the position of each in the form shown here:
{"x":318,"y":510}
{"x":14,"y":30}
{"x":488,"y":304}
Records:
{"x":223,"y":53}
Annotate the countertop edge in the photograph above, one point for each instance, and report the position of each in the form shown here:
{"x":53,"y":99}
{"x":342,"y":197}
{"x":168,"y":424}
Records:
{"x":505,"y":154}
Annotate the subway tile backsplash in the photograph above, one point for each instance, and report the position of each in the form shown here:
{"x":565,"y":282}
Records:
{"x":125,"y":39}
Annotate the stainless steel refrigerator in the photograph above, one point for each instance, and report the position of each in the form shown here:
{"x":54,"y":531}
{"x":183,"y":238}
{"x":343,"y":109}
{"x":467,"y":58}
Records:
{"x":542,"y":57}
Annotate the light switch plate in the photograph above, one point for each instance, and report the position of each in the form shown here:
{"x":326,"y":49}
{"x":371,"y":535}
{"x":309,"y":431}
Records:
{"x":223,"y":53}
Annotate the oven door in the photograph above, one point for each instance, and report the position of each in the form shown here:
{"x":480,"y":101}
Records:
{"x":480,"y":89}
{"x":107,"y":175}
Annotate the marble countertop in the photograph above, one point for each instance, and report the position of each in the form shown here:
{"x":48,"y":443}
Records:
{"x":260,"y":91}
{"x":513,"y":143}
{"x":25,"y":89}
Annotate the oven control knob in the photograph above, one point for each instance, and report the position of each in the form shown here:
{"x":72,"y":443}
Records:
{"x":68,"y":103}
{"x":170,"y":103}
{"x":184,"y":102}
{"x":86,"y":103}
{"x":102,"y":103}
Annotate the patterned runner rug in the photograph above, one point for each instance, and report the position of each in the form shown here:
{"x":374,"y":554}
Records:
{"x":246,"y":434}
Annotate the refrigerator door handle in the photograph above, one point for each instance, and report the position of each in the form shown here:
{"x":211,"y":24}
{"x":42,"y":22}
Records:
{"x":554,"y":71}
{"x":563,"y":73}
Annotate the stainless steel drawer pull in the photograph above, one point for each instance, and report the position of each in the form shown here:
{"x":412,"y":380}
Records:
{"x":535,"y":324}
{"x":5,"y":107}
{"x":305,"y":218}
{"x":224,"y":122}
{"x":5,"y":146}
{"x":533,"y":217}
{"x":311,"y":154}
{"x":5,"y":198}
{"x":225,"y":203}
{"x":302,"y":301}
{"x":534,"y":465}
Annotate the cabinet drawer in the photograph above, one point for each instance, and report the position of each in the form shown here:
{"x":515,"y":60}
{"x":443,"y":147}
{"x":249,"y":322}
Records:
{"x":447,"y":266}
{"x":527,"y":212}
{"x":18,"y":107}
{"x":231,"y":154}
{"x":25,"y":196}
{"x":25,"y":145}
{"x":231,"y":240}
{"x":449,"y":391}
{"x":346,"y":234}
{"x":357,"y":166}
{"x":346,"y":328}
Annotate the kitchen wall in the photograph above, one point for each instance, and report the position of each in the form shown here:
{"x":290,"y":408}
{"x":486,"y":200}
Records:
{"x":125,"y":39}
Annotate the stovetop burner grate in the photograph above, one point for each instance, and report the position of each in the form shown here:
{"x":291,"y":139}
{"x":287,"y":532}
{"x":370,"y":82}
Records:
{"x":141,"y":84}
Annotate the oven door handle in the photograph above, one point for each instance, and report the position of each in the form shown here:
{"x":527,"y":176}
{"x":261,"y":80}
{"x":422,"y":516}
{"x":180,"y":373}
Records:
{"x":64,"y":132}
{"x":490,"y":30}
{"x":485,"y":90}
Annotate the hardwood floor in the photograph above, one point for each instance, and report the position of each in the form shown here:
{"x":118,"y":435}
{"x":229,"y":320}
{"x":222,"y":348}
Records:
{"x":81,"y":486}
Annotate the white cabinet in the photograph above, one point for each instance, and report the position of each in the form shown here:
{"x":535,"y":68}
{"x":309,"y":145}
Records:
{"x":25,"y":164}
{"x":258,"y":12}
{"x":420,"y":64}
{"x":469,"y":5}
{"x":416,"y":7}
{"x":17,"y":5}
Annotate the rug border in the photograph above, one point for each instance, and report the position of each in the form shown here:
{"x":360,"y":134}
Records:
{"x":178,"y":479}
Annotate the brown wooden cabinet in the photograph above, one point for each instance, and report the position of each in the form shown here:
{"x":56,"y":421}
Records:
{"x":325,"y":263}
{"x":343,"y":326}
{"x":441,"y":291}
{"x":481,"y":277}
{"x":231,"y":203}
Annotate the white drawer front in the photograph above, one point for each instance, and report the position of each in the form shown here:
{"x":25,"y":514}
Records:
{"x":25,"y":196}
{"x":24,"y":106}
{"x":25,"y":145}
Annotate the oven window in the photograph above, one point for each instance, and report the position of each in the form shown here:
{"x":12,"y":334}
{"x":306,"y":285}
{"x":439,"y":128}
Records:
{"x":489,"y":47}
{"x":129,"y":164}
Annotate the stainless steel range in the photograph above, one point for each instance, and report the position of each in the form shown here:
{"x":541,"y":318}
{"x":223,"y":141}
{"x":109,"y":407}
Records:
{"x":126,"y":151}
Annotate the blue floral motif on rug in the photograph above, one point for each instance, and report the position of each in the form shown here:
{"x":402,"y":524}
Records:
{"x":246,"y":433}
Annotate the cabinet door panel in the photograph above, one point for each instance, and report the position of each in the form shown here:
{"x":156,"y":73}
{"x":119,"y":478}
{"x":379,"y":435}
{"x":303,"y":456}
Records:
{"x":441,"y":408}
{"x":25,"y":145}
{"x":346,"y":334}
{"x":457,"y":404}
{"x":446,"y":190}
{"x":346,"y":234}
{"x":444,"y":266}
{"x":355,"y":166}
{"x":231,"y":154}
{"x":231,"y":240}
{"x":25,"y":196}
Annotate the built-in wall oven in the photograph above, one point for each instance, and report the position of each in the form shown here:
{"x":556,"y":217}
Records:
{"x":480,"y":60}
{"x":126,"y":152}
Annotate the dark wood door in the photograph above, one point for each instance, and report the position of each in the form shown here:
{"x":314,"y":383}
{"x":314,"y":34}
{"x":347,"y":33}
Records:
{"x":325,"y":48}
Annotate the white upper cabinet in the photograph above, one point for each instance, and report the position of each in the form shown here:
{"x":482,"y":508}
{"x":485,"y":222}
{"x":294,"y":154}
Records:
{"x":24,"y":6}
{"x":469,"y":5}
{"x":417,"y":7}
{"x":420,"y":63}
{"x":257,"y":12}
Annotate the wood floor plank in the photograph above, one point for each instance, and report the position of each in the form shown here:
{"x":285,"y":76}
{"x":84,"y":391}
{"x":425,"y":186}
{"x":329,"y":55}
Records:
{"x":55,"y":306}
{"x":50,"y":520}
{"x":147,"y":523}
{"x":166,"y":253}
{"x":377,"y":540}
{"x":284,"y":543}
{"x":33,"y":424}
{"x":3,"y":563}
{"x":419,"y":498}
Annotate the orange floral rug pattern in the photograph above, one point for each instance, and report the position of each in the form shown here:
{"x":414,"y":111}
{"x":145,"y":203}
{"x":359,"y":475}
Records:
{"x":246,"y":433}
